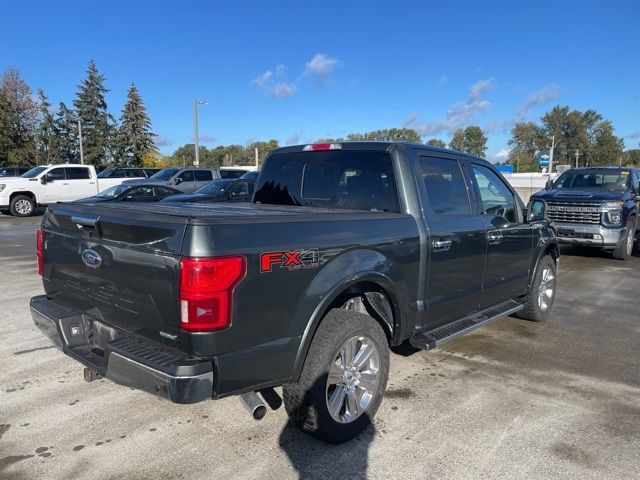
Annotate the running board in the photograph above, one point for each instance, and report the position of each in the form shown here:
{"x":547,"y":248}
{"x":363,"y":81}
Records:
{"x":426,"y":340}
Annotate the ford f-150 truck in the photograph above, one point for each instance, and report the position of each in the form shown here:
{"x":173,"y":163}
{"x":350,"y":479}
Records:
{"x":47,"y":184}
{"x":596,"y":207}
{"x":346,"y":249}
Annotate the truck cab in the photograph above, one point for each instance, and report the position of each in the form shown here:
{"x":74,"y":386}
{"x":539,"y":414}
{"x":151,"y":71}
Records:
{"x":596,"y":207}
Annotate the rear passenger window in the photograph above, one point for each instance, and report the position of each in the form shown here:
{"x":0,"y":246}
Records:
{"x":78,"y":173}
{"x":203,"y":175}
{"x":445,"y":186}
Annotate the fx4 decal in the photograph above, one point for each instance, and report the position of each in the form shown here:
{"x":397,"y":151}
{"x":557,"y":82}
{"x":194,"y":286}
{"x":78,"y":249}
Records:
{"x":289,"y":259}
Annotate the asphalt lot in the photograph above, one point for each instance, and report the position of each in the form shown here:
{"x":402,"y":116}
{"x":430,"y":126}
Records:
{"x":512,"y":400}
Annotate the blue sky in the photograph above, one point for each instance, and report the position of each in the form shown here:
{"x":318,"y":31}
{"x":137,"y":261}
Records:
{"x":297,"y":70}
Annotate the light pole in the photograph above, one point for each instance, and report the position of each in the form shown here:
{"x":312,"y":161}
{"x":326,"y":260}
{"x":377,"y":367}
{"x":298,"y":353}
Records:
{"x":80,"y":138}
{"x":553,"y":145}
{"x":197,"y":102}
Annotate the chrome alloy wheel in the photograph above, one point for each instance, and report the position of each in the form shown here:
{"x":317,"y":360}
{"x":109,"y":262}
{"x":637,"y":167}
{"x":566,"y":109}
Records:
{"x":547,"y":289}
{"x":353,"y":379}
{"x":23,"y":207}
{"x":630,"y":240}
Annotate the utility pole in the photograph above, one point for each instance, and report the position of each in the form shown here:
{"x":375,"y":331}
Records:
{"x":80,"y":137}
{"x":577,"y":154}
{"x":553,"y":146}
{"x":197,"y":102}
{"x":256,"y":153}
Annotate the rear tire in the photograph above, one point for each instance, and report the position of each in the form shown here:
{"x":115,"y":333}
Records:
{"x":22,"y":206}
{"x":339,"y":392}
{"x":625,"y":249}
{"x":539,"y":302}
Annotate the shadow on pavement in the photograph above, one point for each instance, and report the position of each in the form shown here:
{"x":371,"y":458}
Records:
{"x":315,"y":460}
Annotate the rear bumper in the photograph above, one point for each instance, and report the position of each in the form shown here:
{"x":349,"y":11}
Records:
{"x":589,"y":235}
{"x":120,"y":357}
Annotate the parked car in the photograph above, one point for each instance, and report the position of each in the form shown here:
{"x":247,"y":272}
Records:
{"x":235,"y":172}
{"x":347,"y":249}
{"x":187,"y":180}
{"x":225,"y":190}
{"x":596,"y":207}
{"x":13,"y":171}
{"x":48,"y":184}
{"x":128,"y":172}
{"x":132,"y":193}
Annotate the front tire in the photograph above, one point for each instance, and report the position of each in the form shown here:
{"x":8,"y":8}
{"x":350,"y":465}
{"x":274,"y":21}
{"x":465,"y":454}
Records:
{"x":343,"y":378}
{"x":538,"y":303}
{"x":22,"y":206}
{"x":625,"y":249}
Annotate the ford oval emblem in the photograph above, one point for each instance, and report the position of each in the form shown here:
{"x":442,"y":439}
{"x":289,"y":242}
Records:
{"x":91,"y":258}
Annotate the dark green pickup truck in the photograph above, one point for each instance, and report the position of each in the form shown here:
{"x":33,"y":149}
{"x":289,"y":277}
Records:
{"x":346,"y":250}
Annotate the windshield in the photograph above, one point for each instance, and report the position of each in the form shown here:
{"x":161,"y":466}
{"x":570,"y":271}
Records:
{"x":112,"y":192}
{"x":165,"y":174}
{"x":217,"y":186}
{"x":106,"y":173}
{"x":34,"y":172}
{"x":593,"y":179}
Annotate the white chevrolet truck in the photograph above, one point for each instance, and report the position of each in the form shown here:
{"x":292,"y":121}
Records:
{"x":48,"y":184}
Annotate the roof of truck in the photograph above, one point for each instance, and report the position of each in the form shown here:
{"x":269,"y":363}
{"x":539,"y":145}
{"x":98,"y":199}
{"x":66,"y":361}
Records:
{"x":379,"y":146}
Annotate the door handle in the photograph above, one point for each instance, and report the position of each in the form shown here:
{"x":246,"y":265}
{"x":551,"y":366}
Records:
{"x":494,"y":237}
{"x":441,"y":245}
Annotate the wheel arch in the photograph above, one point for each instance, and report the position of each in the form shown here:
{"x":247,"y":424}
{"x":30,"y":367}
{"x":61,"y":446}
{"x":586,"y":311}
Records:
{"x":350,"y":286}
{"x":550,"y":248}
{"x":26,"y":193}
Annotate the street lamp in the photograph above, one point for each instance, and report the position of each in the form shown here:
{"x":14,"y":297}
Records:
{"x":197,"y":102}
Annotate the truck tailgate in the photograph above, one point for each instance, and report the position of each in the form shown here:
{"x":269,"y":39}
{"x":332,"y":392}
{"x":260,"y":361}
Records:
{"x":120,"y":268}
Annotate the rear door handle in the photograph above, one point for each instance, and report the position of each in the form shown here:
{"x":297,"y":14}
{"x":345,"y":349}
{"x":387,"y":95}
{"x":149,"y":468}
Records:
{"x":441,"y":245}
{"x":494,"y":237}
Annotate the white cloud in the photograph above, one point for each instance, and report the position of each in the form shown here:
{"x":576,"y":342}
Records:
{"x":205,"y":138}
{"x":293,"y":139}
{"x":163,"y":141}
{"x":502,"y":154}
{"x":634,"y":135}
{"x":546,"y":94}
{"x":459,"y":114}
{"x":273,"y":84}
{"x":321,"y":66}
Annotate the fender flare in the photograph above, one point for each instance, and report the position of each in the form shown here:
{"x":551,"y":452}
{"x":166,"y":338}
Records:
{"x":339,"y":285}
{"x":543,"y":250}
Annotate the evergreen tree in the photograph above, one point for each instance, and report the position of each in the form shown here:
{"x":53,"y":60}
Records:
{"x":66,"y":147}
{"x":18,"y":118}
{"x":98,"y":126}
{"x":46,"y":131}
{"x":135,"y":139}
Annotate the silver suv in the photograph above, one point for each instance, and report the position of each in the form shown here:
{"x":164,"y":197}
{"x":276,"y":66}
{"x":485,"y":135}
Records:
{"x":186,"y":180}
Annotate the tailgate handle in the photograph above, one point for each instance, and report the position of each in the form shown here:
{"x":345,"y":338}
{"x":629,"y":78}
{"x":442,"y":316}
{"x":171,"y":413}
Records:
{"x":85,"y":221}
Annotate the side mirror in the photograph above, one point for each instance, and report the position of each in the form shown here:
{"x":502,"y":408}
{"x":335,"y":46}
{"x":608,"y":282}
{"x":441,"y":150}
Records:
{"x":44,"y":180}
{"x":536,"y":210}
{"x":548,"y":185}
{"x":177,"y":181}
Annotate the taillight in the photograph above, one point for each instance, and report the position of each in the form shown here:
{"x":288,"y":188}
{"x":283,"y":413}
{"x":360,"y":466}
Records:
{"x":206,"y":291}
{"x":318,"y":147}
{"x":39,"y":250}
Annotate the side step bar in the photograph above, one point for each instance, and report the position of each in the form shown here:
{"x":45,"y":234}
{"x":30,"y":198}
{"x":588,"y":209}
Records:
{"x":426,"y":340}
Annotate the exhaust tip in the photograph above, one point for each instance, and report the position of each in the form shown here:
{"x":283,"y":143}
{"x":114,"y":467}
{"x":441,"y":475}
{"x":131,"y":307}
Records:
{"x":254,"y":405}
{"x":259,"y":412}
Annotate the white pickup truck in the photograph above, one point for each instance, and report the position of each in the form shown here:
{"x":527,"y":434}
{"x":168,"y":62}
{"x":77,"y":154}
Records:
{"x":47,"y":184}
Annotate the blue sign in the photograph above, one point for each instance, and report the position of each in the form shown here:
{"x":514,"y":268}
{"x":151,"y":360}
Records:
{"x":543,"y":159}
{"x":504,"y":168}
